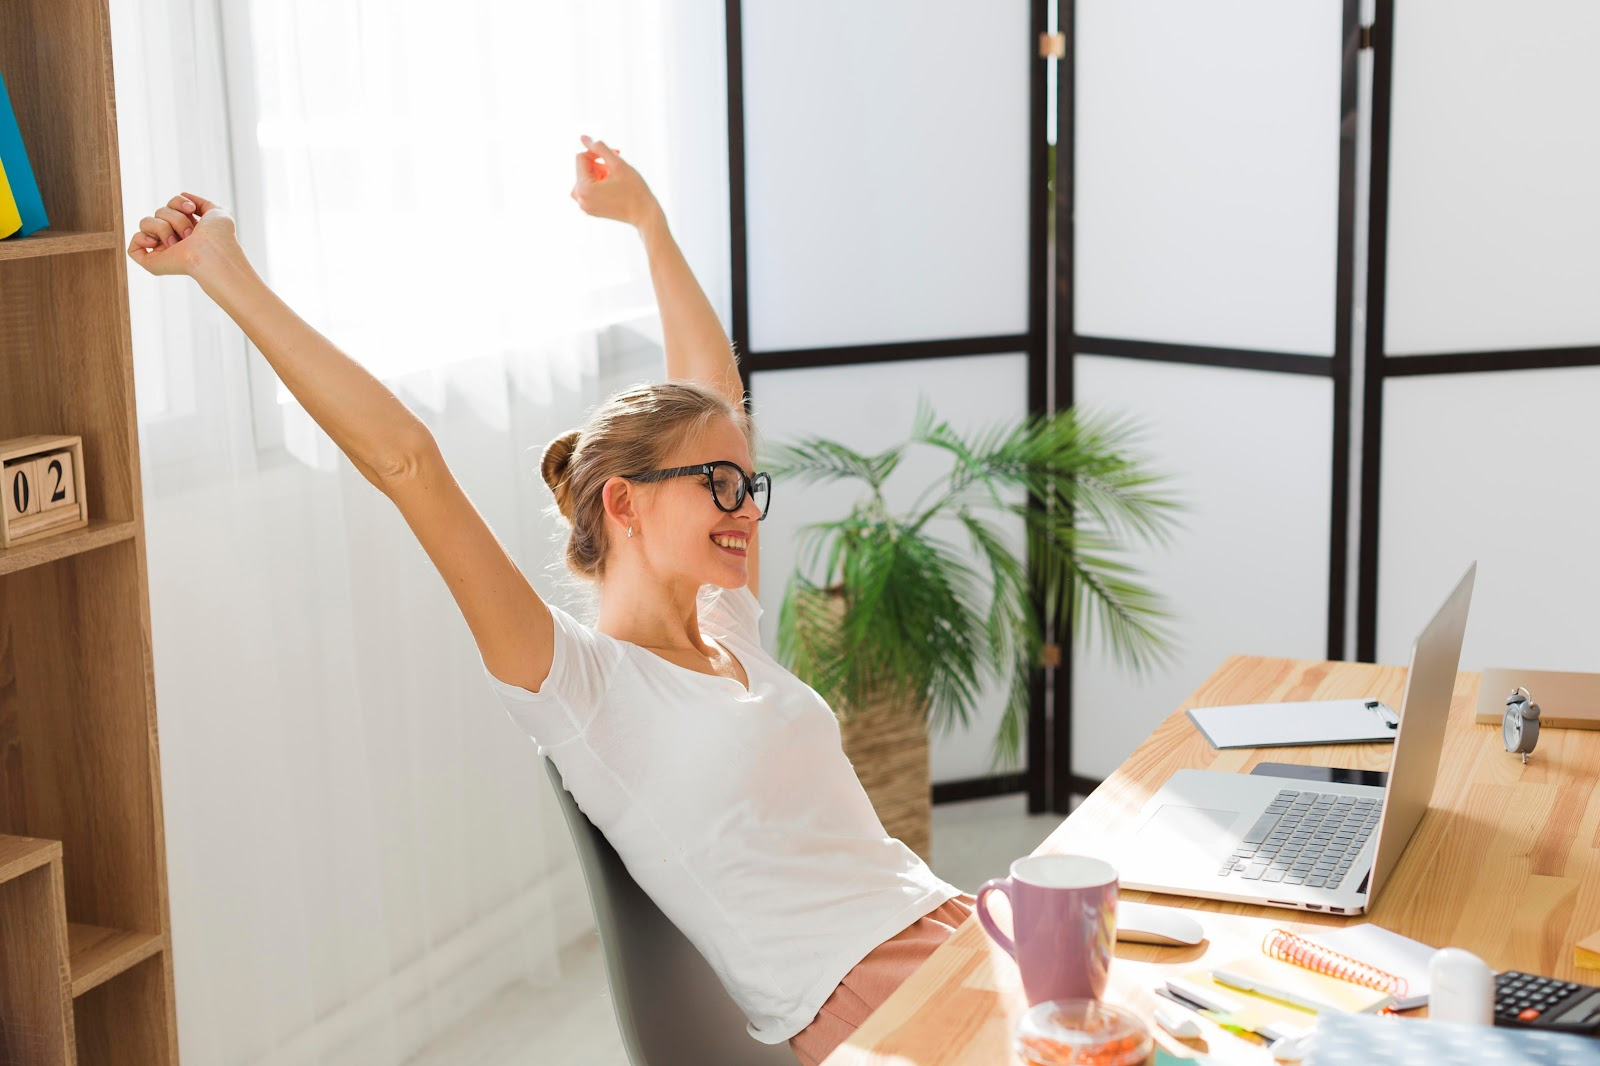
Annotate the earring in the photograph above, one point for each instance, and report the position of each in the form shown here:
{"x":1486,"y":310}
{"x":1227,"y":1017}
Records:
{"x":630,"y":531}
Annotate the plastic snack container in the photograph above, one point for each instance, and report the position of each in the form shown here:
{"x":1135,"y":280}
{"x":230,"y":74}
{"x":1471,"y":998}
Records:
{"x":1082,"y":1032}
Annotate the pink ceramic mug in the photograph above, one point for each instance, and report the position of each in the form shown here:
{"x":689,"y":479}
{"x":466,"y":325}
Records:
{"x":1064,"y":915}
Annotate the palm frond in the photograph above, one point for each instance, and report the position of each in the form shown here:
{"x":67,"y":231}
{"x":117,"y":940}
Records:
{"x":1006,"y":752}
{"x":1012,"y":618}
{"x":1084,"y":586}
{"x":1088,"y":461}
{"x":1069,"y":460}
{"x":808,"y":635}
{"x":814,"y":459}
{"x":937,"y":601}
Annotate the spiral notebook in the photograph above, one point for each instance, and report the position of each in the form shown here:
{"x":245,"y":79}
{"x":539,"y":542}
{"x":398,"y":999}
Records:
{"x":1387,"y":951}
{"x":1302,"y":982}
{"x":1360,"y":968}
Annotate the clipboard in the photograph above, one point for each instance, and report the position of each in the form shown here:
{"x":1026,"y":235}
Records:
{"x":1283,"y":725}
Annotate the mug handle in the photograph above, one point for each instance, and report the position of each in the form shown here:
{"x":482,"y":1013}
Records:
{"x":1001,"y":885}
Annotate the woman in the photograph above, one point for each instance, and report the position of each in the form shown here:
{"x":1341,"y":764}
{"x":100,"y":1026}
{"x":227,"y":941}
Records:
{"x":715,"y":773}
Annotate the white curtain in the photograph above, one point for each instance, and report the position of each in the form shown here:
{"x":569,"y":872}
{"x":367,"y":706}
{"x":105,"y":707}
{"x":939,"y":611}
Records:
{"x":361,"y":847}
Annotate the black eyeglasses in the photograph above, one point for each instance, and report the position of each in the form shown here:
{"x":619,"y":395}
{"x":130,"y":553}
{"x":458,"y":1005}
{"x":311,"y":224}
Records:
{"x":728,"y":483}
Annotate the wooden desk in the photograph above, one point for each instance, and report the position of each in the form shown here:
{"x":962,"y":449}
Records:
{"x":1505,"y":863}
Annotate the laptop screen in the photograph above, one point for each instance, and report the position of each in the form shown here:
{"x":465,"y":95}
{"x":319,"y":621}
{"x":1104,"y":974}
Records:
{"x":1424,"y":710}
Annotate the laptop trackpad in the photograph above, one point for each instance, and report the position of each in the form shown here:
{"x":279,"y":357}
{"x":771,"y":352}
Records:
{"x":1197,"y":829}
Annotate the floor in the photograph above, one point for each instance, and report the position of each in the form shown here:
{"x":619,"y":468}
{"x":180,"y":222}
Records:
{"x":572,"y":1021}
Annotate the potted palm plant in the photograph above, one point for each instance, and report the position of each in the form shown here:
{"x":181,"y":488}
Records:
{"x":897,"y":629}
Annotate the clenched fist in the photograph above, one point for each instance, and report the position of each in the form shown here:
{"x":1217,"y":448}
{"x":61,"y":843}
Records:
{"x":609,"y":188}
{"x":183,"y":236}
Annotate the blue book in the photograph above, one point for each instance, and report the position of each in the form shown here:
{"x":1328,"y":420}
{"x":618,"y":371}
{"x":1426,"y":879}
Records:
{"x":24,"y":189}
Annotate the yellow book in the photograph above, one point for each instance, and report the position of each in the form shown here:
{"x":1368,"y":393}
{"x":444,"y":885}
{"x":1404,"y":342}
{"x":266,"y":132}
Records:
{"x":1587,"y":953}
{"x":1263,"y":975}
{"x":10,"y":217}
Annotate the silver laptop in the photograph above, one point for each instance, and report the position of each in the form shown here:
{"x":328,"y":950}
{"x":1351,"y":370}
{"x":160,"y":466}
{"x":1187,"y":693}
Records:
{"x":1309,"y":845}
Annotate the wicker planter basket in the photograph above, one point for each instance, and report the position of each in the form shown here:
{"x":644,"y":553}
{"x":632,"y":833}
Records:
{"x":886,"y":740}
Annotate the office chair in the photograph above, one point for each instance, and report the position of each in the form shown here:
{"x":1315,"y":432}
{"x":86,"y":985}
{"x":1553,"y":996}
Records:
{"x":670,"y":1006}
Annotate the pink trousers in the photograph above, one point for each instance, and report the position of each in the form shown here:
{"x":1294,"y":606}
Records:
{"x":869,"y":983}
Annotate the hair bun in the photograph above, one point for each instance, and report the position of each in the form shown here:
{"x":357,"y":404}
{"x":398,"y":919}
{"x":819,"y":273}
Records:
{"x":556,"y":465}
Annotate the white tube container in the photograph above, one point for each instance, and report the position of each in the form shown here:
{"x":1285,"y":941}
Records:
{"x":1461,"y":988}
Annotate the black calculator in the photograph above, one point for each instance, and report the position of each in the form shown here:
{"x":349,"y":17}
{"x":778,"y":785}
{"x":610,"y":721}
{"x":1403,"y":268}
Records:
{"x":1531,"y":1001}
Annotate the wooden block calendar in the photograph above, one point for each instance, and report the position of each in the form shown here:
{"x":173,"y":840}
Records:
{"x":43,"y":485}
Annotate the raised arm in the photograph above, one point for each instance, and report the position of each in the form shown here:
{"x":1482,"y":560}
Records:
{"x":383,"y":439}
{"x":697,"y":347}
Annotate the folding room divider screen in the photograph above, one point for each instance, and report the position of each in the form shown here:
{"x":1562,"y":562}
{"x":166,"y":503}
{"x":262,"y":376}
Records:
{"x":1323,"y":415}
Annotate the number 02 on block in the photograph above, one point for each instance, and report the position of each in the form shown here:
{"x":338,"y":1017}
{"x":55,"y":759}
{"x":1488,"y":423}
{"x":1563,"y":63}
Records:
{"x":43,"y":487}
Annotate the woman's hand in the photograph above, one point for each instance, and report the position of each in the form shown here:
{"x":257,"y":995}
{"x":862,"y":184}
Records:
{"x":609,"y":188}
{"x":184,"y":237}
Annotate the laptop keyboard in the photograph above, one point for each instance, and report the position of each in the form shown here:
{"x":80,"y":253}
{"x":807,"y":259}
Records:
{"x":1304,"y":838}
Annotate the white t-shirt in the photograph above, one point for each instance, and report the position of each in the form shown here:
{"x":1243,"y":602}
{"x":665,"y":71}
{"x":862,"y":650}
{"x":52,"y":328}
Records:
{"x":736,"y":811}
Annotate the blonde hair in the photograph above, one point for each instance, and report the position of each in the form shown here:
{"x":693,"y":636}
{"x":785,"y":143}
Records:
{"x":632,"y":432}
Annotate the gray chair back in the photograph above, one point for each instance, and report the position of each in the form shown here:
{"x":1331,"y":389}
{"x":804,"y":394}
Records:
{"x":671,"y":1008}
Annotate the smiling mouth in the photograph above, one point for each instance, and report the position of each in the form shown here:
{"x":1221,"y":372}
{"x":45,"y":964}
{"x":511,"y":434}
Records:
{"x":731,"y":542}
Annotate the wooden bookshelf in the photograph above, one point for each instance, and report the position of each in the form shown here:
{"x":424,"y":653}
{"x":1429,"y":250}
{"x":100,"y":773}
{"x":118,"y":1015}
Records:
{"x":55,"y":242}
{"x":97,"y":534}
{"x":19,"y":855}
{"x":35,"y":994}
{"x":86,"y":970}
{"x":96,"y":955}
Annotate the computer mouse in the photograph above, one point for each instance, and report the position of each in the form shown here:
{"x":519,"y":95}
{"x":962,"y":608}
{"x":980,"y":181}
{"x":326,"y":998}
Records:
{"x":1143,"y":923}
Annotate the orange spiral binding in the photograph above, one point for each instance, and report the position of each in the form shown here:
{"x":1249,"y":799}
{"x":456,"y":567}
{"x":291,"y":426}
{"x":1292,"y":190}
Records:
{"x":1284,"y":945}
